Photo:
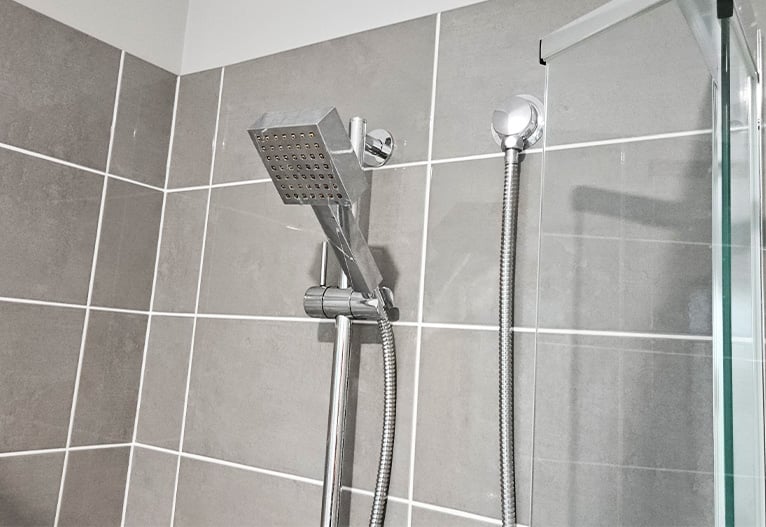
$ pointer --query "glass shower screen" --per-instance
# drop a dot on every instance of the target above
(651, 207)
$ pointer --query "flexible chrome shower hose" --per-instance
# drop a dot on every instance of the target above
(378, 514)
(507, 263)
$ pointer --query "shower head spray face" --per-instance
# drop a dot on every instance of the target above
(309, 157)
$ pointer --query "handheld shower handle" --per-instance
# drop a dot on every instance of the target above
(350, 247)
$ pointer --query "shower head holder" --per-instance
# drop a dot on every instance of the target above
(518, 123)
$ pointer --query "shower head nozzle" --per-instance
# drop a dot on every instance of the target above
(309, 157)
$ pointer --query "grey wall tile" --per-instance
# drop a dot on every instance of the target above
(462, 257)
(457, 442)
(650, 190)
(211, 494)
(361, 74)
(94, 488)
(180, 251)
(397, 198)
(144, 120)
(243, 220)
(259, 394)
(252, 399)
(128, 245)
(429, 518)
(618, 401)
(620, 90)
(196, 113)
(355, 510)
(29, 489)
(364, 417)
(597, 495)
(164, 388)
(612, 284)
(40, 348)
(239, 274)
(111, 371)
(50, 216)
(487, 53)
(152, 482)
(56, 93)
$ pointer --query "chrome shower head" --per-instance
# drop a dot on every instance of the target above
(518, 123)
(309, 157)
(311, 161)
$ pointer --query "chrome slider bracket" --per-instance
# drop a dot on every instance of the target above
(329, 302)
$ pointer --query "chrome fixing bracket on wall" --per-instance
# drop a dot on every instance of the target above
(329, 302)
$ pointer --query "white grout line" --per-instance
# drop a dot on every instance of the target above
(171, 314)
(119, 310)
(169, 160)
(52, 159)
(408, 164)
(628, 334)
(196, 302)
(615, 465)
(425, 325)
(315, 482)
(492, 155)
(232, 464)
(116, 108)
(91, 281)
(622, 140)
(62, 162)
(13, 300)
(98, 447)
(133, 182)
(576, 236)
(266, 318)
(421, 284)
(457, 513)
(187, 189)
(431, 325)
(151, 308)
(477, 157)
(61, 450)
(470, 327)
(240, 183)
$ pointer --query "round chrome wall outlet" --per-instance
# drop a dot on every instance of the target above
(378, 147)
(521, 116)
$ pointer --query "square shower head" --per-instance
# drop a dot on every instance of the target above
(309, 157)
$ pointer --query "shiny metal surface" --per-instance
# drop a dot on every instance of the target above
(378, 147)
(331, 158)
(333, 464)
(520, 120)
(309, 157)
(329, 302)
(515, 126)
(330, 178)
(350, 246)
(380, 496)
(331, 489)
(323, 264)
(505, 344)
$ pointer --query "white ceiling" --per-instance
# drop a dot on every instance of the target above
(185, 36)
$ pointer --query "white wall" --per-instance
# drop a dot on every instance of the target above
(185, 36)
(245, 29)
(150, 29)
